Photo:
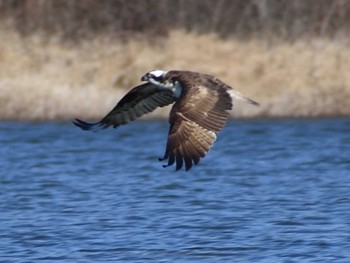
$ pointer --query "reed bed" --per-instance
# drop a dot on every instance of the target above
(45, 78)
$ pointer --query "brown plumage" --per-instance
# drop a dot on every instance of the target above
(201, 109)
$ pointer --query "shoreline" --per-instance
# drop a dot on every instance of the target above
(46, 79)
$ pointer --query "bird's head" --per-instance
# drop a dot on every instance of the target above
(155, 77)
(163, 80)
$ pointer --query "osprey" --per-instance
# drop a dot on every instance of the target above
(201, 109)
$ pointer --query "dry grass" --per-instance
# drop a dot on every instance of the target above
(44, 79)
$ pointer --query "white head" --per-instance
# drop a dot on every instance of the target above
(155, 75)
(160, 79)
(158, 73)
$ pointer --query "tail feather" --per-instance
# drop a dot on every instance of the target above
(251, 101)
(237, 95)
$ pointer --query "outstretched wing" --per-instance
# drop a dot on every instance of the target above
(195, 121)
(137, 102)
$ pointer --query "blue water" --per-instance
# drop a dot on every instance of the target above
(269, 191)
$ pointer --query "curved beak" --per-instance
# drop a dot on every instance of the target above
(144, 78)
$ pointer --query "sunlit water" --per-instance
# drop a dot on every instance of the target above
(269, 191)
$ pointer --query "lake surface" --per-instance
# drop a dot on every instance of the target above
(268, 191)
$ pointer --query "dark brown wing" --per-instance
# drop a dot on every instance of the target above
(195, 120)
(137, 102)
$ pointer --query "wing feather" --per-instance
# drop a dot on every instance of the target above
(179, 158)
(195, 121)
(140, 100)
(187, 144)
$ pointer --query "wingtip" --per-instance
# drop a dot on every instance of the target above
(167, 165)
(76, 122)
(85, 125)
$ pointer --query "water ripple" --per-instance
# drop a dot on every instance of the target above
(269, 191)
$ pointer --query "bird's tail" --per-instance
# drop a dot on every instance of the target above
(237, 95)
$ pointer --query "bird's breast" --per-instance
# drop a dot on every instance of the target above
(177, 89)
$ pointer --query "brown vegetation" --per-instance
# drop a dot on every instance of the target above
(243, 19)
(52, 70)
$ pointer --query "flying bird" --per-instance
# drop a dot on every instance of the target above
(201, 109)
